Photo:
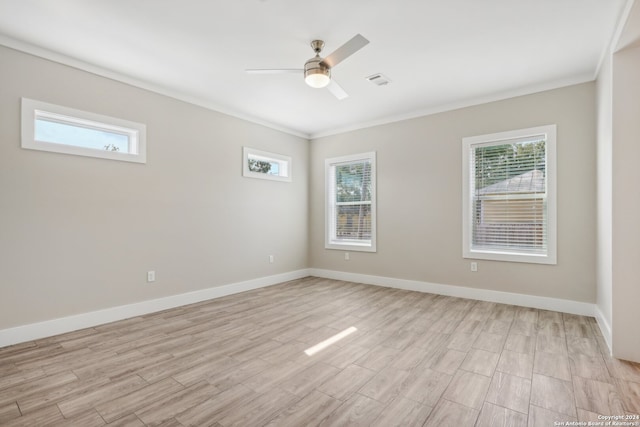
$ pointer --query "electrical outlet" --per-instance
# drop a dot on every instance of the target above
(151, 276)
(346, 256)
(271, 259)
(474, 266)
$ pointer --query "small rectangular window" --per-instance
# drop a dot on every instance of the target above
(50, 127)
(509, 196)
(265, 165)
(351, 202)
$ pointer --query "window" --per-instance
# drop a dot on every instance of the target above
(509, 196)
(351, 202)
(50, 127)
(264, 165)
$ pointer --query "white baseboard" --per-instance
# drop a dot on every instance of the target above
(605, 328)
(545, 303)
(62, 325)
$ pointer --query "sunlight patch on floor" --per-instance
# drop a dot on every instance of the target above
(326, 343)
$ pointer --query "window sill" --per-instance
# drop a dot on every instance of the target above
(351, 246)
(549, 259)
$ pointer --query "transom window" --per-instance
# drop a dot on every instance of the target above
(509, 196)
(265, 165)
(351, 202)
(50, 127)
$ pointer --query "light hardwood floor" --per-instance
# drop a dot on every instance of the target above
(415, 359)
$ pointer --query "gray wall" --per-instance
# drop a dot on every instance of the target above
(419, 196)
(78, 234)
(618, 91)
(604, 272)
(626, 204)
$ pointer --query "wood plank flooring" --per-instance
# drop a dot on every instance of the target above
(415, 359)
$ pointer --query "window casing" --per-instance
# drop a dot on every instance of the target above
(509, 196)
(351, 202)
(50, 127)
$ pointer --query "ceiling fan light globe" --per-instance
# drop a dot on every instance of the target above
(317, 79)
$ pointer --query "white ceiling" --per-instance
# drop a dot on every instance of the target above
(439, 54)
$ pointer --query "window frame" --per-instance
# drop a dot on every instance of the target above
(331, 242)
(32, 110)
(247, 152)
(551, 206)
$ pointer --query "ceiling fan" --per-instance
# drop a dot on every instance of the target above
(317, 70)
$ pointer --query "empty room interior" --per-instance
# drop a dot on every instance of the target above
(294, 213)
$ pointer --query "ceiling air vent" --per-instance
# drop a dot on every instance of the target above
(379, 79)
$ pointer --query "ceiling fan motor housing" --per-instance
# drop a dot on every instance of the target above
(316, 73)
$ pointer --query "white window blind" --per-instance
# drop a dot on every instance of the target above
(509, 196)
(508, 209)
(351, 202)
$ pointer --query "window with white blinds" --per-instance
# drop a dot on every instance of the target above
(509, 196)
(351, 202)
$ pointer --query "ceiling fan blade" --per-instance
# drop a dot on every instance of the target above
(274, 70)
(337, 90)
(346, 50)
